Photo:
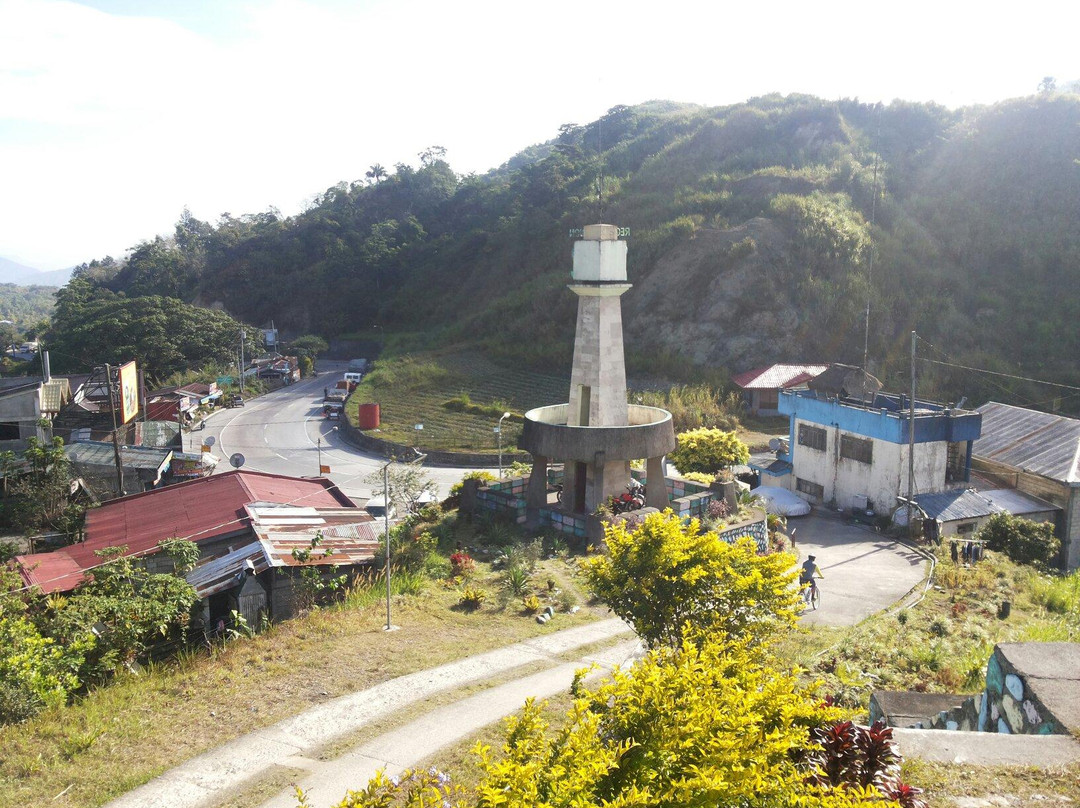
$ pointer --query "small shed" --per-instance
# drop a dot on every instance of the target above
(962, 511)
(762, 386)
(260, 574)
(144, 468)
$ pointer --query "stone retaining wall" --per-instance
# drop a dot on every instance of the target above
(1032, 688)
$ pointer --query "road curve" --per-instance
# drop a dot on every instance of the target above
(281, 432)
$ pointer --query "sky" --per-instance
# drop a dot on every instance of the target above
(115, 115)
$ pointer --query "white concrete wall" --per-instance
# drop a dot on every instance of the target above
(880, 481)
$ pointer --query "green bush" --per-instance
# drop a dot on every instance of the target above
(483, 476)
(708, 450)
(667, 580)
(1022, 540)
(35, 670)
(408, 551)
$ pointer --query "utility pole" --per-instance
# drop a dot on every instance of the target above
(386, 527)
(241, 361)
(911, 439)
(115, 436)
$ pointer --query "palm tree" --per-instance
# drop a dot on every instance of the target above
(376, 173)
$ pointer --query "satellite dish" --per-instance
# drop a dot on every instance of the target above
(236, 461)
(210, 440)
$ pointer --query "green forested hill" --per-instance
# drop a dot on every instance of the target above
(26, 306)
(751, 241)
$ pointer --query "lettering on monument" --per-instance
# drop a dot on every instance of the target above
(579, 232)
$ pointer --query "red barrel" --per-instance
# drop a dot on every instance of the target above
(367, 416)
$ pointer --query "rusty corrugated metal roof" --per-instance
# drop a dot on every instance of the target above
(198, 510)
(1038, 442)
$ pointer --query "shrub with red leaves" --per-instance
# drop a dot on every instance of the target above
(846, 754)
(461, 563)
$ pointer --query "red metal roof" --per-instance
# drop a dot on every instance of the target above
(198, 510)
(53, 572)
(777, 376)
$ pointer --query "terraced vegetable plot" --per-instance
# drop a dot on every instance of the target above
(412, 390)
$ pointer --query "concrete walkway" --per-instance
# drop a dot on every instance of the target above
(864, 571)
(211, 777)
(326, 782)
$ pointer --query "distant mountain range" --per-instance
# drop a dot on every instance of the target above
(13, 272)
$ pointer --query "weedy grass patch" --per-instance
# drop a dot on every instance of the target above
(944, 642)
(945, 783)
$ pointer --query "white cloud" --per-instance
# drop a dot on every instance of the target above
(111, 124)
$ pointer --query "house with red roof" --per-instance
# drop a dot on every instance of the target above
(246, 517)
(762, 386)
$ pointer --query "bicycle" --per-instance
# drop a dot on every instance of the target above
(811, 594)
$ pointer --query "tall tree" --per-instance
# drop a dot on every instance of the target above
(376, 173)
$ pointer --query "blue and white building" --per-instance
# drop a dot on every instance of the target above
(852, 451)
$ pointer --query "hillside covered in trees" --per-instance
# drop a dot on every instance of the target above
(758, 232)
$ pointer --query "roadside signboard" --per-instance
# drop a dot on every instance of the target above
(324, 469)
(224, 379)
(206, 447)
(129, 392)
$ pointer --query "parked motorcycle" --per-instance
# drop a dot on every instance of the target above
(632, 500)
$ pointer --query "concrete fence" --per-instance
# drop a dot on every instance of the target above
(687, 499)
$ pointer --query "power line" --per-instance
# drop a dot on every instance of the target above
(997, 373)
(1002, 388)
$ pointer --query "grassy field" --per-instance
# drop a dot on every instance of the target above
(459, 395)
(119, 736)
(413, 390)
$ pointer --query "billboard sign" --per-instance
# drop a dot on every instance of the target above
(129, 392)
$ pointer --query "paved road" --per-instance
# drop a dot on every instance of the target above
(864, 570)
(280, 433)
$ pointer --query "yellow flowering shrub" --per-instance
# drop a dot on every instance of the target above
(705, 724)
(707, 450)
(663, 576)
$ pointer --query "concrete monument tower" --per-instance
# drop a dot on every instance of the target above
(597, 433)
(598, 378)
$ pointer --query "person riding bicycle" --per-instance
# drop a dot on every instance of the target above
(807, 572)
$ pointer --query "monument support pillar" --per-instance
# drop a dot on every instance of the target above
(656, 495)
(536, 493)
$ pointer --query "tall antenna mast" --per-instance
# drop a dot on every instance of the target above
(870, 271)
(600, 164)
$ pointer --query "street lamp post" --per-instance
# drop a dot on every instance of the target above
(386, 526)
(498, 431)
(318, 443)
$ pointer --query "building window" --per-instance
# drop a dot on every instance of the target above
(812, 437)
(9, 431)
(859, 449)
(810, 488)
(768, 399)
(968, 528)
